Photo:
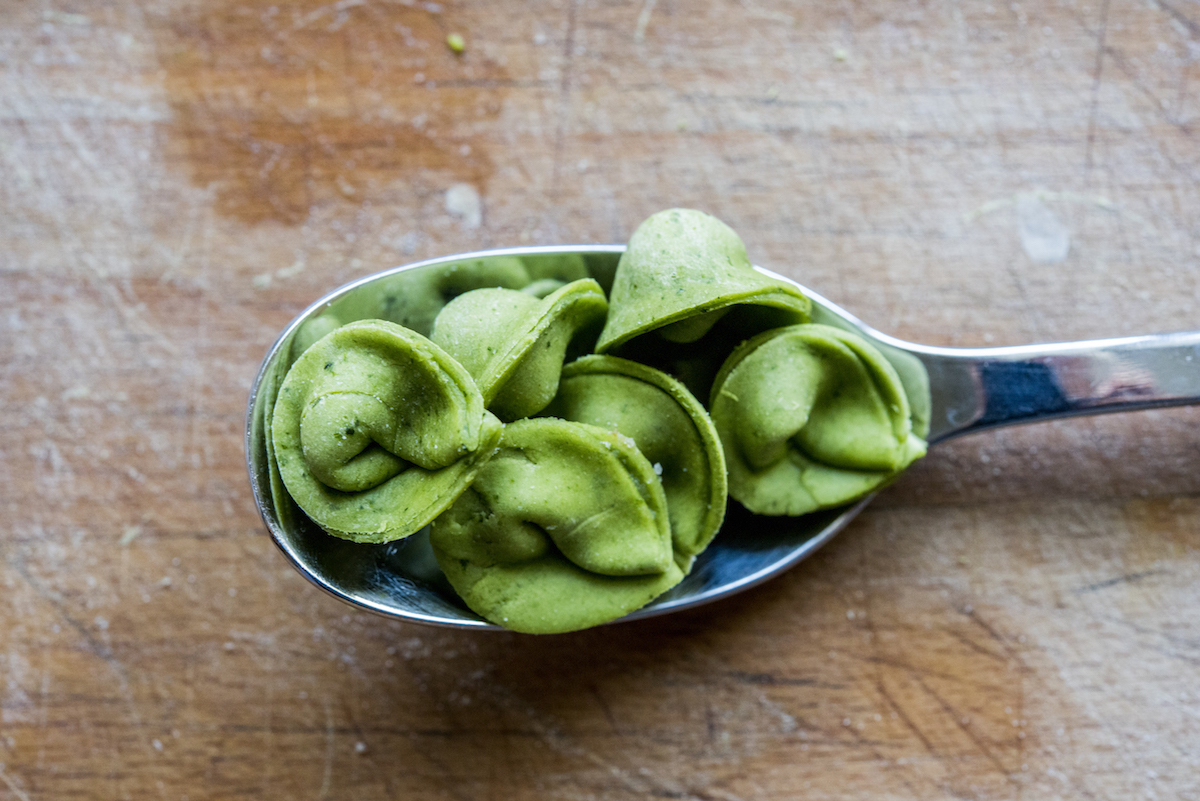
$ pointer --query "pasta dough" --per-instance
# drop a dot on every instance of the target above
(564, 528)
(811, 417)
(376, 431)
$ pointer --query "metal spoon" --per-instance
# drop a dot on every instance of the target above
(955, 391)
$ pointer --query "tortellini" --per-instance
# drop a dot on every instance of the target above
(811, 417)
(565, 488)
(413, 298)
(376, 430)
(668, 425)
(566, 527)
(684, 271)
(514, 344)
(685, 294)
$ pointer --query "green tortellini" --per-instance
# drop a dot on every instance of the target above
(376, 430)
(685, 294)
(811, 417)
(564, 528)
(684, 271)
(670, 428)
(413, 298)
(607, 477)
(514, 344)
(551, 271)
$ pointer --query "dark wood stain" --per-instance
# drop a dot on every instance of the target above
(353, 103)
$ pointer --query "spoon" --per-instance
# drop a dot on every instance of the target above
(953, 391)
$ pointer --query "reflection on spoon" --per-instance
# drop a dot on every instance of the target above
(953, 391)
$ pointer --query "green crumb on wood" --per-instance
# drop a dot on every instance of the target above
(456, 43)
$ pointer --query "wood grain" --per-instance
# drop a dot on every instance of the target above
(1015, 618)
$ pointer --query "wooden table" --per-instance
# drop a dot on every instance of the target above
(1015, 618)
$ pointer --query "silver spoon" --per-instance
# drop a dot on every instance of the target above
(955, 391)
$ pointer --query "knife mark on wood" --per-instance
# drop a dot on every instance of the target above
(957, 719)
(1097, 80)
(564, 100)
(1128, 578)
(16, 788)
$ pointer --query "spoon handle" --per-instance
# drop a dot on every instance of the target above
(976, 389)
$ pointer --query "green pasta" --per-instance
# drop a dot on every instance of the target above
(514, 344)
(566, 527)
(684, 271)
(668, 425)
(376, 431)
(811, 417)
(607, 477)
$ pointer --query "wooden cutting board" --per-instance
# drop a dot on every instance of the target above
(1015, 618)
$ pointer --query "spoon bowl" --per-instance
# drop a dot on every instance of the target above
(952, 391)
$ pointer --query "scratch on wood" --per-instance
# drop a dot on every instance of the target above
(16, 789)
(787, 722)
(322, 11)
(957, 719)
(604, 707)
(1179, 17)
(874, 749)
(57, 602)
(643, 20)
(771, 680)
(564, 98)
(1097, 78)
(644, 782)
(176, 256)
(911, 668)
(904, 718)
(995, 635)
(1128, 578)
(974, 646)
(1156, 103)
(1172, 640)
(710, 724)
(330, 732)
(91, 644)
